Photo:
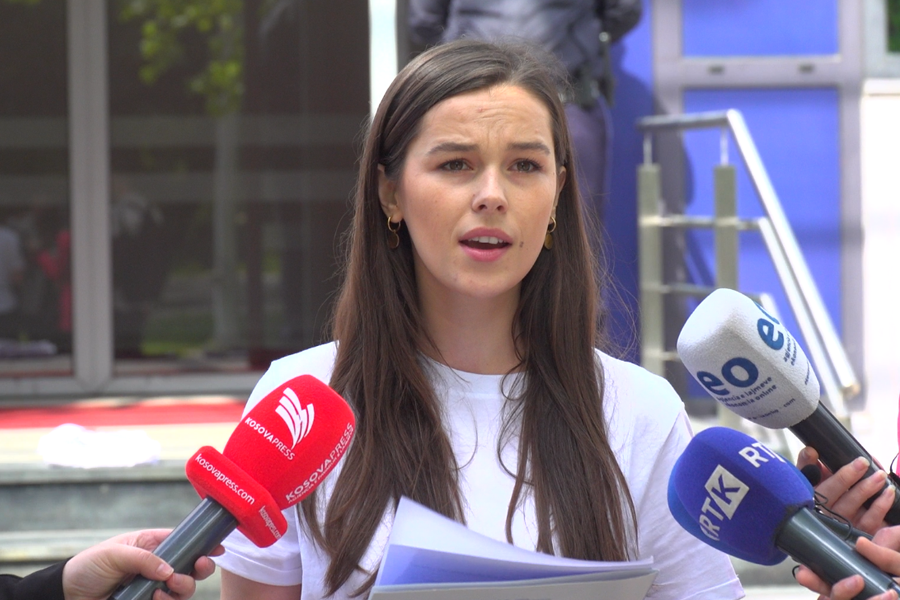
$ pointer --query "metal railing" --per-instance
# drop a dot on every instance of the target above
(839, 382)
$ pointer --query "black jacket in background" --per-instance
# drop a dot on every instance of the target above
(570, 29)
(45, 584)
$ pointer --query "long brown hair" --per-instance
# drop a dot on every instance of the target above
(401, 447)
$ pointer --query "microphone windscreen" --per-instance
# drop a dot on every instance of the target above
(747, 360)
(692, 526)
(737, 492)
(292, 438)
(813, 474)
(258, 515)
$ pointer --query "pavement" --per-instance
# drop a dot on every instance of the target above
(178, 441)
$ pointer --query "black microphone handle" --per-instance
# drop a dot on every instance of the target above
(812, 543)
(837, 447)
(197, 535)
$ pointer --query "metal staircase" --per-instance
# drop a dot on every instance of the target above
(822, 344)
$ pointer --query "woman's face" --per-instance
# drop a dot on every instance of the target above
(477, 189)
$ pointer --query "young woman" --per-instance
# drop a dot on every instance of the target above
(466, 341)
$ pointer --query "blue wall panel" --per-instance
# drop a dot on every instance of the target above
(759, 27)
(633, 66)
(797, 134)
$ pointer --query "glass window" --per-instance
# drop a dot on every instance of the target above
(233, 129)
(35, 282)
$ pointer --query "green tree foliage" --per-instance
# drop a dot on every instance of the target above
(165, 22)
(893, 23)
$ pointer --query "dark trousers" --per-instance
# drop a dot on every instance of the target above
(10, 325)
(591, 132)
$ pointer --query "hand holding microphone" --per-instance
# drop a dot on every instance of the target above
(277, 455)
(748, 362)
(95, 572)
(881, 551)
(848, 491)
(736, 495)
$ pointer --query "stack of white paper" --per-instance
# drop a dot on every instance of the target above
(435, 558)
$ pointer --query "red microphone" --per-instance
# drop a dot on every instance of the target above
(276, 456)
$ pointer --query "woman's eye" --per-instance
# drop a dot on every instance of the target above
(526, 166)
(454, 165)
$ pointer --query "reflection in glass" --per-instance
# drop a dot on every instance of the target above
(35, 271)
(232, 158)
(893, 25)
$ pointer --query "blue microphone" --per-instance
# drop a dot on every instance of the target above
(735, 494)
(692, 525)
(841, 528)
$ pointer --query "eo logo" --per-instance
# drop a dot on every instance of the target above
(768, 332)
(299, 420)
(725, 493)
(741, 372)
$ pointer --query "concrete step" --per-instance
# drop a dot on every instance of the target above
(49, 546)
(40, 498)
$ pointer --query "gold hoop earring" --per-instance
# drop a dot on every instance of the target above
(548, 238)
(393, 238)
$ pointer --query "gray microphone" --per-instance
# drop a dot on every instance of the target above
(748, 362)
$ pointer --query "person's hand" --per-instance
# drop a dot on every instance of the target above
(845, 493)
(881, 551)
(97, 572)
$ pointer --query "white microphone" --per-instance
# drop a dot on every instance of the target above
(748, 362)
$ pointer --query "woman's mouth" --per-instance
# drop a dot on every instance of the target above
(485, 242)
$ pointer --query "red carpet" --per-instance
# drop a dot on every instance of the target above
(111, 413)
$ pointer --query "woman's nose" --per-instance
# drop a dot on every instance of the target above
(490, 195)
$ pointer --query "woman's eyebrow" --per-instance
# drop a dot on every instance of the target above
(459, 147)
(452, 147)
(539, 146)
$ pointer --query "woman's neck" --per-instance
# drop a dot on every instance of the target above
(473, 336)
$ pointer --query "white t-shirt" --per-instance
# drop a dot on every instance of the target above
(648, 430)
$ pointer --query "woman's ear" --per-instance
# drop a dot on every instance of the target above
(560, 182)
(387, 196)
